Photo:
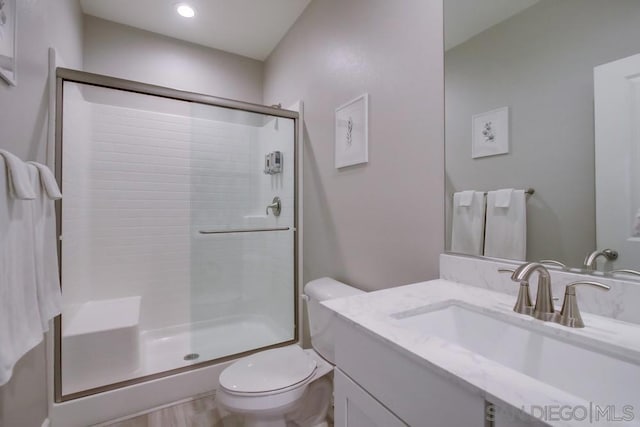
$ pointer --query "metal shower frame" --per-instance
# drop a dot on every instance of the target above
(74, 76)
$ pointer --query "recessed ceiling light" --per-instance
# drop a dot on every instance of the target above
(185, 10)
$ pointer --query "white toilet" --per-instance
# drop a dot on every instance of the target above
(288, 386)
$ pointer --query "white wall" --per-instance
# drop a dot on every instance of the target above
(125, 52)
(42, 24)
(380, 224)
(540, 64)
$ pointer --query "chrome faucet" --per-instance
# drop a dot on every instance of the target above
(590, 260)
(543, 308)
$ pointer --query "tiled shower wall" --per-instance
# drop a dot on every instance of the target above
(76, 220)
(241, 274)
(273, 136)
(140, 185)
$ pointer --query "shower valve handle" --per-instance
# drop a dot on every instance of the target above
(275, 206)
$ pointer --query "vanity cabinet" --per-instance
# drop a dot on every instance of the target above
(503, 418)
(378, 385)
(354, 407)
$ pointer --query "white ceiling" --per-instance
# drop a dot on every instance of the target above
(465, 19)
(250, 28)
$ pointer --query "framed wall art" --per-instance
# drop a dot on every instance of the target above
(352, 132)
(8, 42)
(490, 133)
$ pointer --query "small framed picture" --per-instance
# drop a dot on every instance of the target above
(490, 133)
(8, 34)
(352, 132)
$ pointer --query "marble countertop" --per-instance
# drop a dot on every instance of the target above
(374, 311)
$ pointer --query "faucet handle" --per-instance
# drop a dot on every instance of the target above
(571, 287)
(554, 262)
(523, 303)
(570, 313)
(625, 271)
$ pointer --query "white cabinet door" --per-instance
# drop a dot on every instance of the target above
(617, 132)
(354, 407)
(419, 395)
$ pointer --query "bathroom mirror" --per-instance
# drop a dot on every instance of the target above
(543, 95)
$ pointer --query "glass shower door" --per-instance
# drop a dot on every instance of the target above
(177, 233)
(242, 217)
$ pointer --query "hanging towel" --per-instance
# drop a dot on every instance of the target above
(48, 181)
(44, 244)
(466, 198)
(506, 234)
(503, 198)
(467, 227)
(20, 323)
(17, 176)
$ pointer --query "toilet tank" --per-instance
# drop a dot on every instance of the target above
(320, 324)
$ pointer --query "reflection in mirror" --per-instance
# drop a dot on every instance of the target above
(542, 94)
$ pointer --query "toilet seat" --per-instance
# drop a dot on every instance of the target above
(269, 372)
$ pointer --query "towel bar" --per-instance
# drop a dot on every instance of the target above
(249, 230)
(528, 192)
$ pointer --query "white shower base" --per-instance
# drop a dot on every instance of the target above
(165, 349)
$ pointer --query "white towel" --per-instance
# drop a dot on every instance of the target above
(503, 198)
(506, 234)
(47, 181)
(44, 243)
(20, 323)
(18, 177)
(466, 197)
(467, 227)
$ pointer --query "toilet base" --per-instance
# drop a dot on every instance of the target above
(306, 405)
(309, 411)
(277, 423)
(252, 422)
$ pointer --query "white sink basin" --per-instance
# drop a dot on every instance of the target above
(587, 373)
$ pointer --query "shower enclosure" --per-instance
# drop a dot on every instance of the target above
(177, 231)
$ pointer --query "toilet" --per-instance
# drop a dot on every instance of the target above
(288, 386)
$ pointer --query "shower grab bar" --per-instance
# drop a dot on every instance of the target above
(245, 230)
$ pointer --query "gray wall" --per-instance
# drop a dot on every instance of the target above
(380, 224)
(42, 24)
(540, 64)
(129, 53)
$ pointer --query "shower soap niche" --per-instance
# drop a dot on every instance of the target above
(100, 343)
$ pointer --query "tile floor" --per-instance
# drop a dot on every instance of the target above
(200, 412)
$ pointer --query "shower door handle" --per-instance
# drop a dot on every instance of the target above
(275, 206)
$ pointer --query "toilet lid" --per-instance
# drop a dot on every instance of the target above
(268, 370)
